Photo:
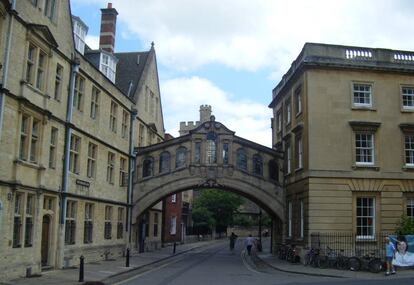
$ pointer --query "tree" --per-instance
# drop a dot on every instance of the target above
(222, 205)
(203, 219)
(405, 226)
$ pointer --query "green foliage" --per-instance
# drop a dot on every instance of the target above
(202, 217)
(222, 205)
(405, 226)
(242, 220)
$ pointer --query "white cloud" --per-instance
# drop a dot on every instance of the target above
(249, 35)
(182, 98)
(92, 41)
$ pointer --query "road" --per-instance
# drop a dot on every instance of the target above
(217, 265)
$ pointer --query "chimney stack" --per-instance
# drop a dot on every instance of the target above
(108, 29)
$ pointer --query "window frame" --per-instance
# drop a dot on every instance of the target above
(110, 167)
(124, 124)
(365, 150)
(362, 94)
(123, 172)
(181, 157)
(54, 137)
(372, 226)
(120, 224)
(88, 223)
(108, 222)
(409, 152)
(299, 152)
(113, 116)
(74, 154)
(30, 138)
(70, 222)
(95, 96)
(79, 93)
(57, 95)
(92, 160)
(410, 98)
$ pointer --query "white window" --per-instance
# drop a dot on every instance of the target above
(108, 222)
(36, 64)
(79, 93)
(288, 113)
(174, 198)
(123, 172)
(362, 95)
(365, 216)
(80, 31)
(113, 117)
(88, 224)
(410, 208)
(409, 150)
(52, 147)
(290, 219)
(299, 153)
(408, 98)
(70, 222)
(364, 148)
(279, 121)
(58, 82)
(173, 226)
(302, 220)
(288, 160)
(124, 127)
(74, 154)
(108, 66)
(95, 102)
(29, 138)
(92, 156)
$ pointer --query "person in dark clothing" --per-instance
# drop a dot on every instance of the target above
(232, 238)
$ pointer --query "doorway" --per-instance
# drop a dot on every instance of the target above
(45, 240)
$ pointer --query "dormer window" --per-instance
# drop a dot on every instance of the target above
(108, 66)
(79, 33)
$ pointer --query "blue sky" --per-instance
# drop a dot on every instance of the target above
(231, 53)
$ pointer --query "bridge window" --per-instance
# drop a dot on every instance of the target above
(148, 167)
(257, 164)
(241, 159)
(211, 150)
(273, 170)
(197, 153)
(165, 162)
(180, 157)
(225, 153)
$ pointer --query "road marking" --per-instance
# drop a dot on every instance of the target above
(242, 254)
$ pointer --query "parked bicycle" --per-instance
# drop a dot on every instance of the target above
(367, 262)
(312, 257)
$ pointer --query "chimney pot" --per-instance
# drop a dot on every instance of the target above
(109, 5)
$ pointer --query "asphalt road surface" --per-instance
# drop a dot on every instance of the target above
(216, 264)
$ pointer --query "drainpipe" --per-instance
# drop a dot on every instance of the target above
(3, 84)
(65, 174)
(131, 171)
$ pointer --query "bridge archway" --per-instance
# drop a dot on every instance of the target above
(210, 156)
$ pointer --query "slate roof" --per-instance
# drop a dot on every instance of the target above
(129, 69)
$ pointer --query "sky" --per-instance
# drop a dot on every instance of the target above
(230, 54)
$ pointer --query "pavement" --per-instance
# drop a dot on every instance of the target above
(109, 272)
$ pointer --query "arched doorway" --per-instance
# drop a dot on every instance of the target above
(45, 240)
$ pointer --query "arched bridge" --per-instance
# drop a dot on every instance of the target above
(210, 156)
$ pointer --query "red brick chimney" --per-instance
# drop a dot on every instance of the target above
(108, 28)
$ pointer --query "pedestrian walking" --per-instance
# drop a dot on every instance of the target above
(389, 255)
(249, 244)
(233, 238)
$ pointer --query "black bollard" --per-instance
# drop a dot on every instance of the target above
(81, 268)
(127, 258)
(175, 245)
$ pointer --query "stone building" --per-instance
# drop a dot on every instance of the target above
(344, 117)
(68, 128)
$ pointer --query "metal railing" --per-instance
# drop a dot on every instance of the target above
(349, 244)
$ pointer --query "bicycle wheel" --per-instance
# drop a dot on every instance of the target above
(375, 265)
(322, 262)
(343, 263)
(354, 264)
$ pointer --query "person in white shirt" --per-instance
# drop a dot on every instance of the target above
(249, 244)
(403, 257)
